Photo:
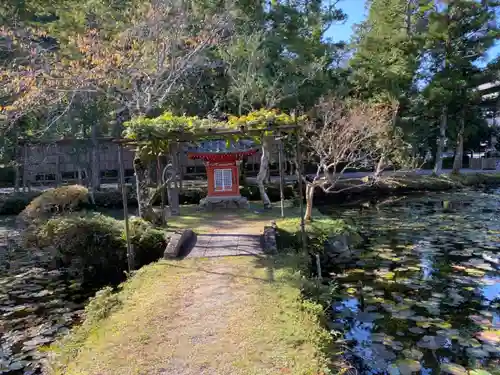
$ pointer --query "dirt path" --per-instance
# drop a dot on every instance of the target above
(204, 317)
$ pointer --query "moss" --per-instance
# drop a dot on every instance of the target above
(318, 231)
(93, 245)
(275, 329)
(55, 201)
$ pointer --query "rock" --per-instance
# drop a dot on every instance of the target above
(214, 203)
(177, 242)
(269, 239)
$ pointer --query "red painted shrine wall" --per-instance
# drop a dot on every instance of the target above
(211, 167)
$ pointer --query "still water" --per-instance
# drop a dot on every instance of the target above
(423, 295)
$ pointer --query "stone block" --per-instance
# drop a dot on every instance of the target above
(269, 239)
(178, 241)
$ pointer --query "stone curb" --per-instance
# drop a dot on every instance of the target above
(269, 238)
(177, 242)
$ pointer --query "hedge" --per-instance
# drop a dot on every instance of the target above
(93, 247)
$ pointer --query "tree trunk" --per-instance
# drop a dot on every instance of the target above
(459, 153)
(309, 201)
(380, 167)
(141, 178)
(263, 171)
(438, 166)
(25, 167)
(17, 165)
(58, 167)
(96, 180)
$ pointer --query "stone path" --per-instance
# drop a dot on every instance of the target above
(218, 245)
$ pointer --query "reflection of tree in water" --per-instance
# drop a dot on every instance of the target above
(424, 275)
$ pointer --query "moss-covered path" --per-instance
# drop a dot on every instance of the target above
(232, 315)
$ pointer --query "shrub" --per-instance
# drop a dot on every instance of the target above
(13, 204)
(91, 246)
(59, 200)
(113, 198)
(149, 243)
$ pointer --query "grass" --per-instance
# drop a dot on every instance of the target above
(249, 221)
(239, 315)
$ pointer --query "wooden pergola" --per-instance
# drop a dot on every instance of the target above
(183, 137)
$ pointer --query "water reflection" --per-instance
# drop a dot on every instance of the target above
(424, 294)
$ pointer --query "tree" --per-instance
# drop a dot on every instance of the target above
(460, 32)
(342, 135)
(281, 61)
(388, 47)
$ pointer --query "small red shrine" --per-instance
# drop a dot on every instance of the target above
(222, 162)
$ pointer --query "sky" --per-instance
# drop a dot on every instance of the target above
(356, 13)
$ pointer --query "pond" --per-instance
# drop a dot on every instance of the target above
(423, 294)
(36, 305)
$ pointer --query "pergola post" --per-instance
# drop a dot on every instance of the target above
(58, 167)
(299, 176)
(25, 166)
(282, 179)
(130, 250)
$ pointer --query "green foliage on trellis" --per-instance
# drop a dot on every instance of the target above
(154, 134)
(263, 119)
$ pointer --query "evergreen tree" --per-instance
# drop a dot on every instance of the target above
(387, 49)
(459, 35)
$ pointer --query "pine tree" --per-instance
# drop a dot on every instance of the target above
(387, 49)
(460, 32)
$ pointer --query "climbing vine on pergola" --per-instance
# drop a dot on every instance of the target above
(153, 135)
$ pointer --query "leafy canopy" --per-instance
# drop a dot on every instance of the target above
(154, 135)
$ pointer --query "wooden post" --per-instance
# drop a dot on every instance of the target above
(17, 167)
(25, 168)
(58, 167)
(282, 179)
(130, 250)
(299, 176)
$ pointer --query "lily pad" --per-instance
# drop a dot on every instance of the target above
(489, 337)
(493, 349)
(450, 333)
(477, 353)
(382, 352)
(479, 372)
(432, 342)
(408, 366)
(469, 342)
(367, 317)
(453, 369)
(416, 330)
(475, 272)
(413, 354)
(403, 314)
